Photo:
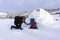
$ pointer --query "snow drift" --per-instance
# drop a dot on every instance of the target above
(3, 15)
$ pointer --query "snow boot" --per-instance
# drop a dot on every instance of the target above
(21, 28)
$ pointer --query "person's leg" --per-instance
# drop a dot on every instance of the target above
(33, 27)
(13, 27)
(16, 26)
(20, 26)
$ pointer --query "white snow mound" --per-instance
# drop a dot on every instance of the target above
(41, 16)
(3, 14)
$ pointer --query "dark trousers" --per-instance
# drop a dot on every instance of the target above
(18, 26)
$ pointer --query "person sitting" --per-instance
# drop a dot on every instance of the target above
(33, 24)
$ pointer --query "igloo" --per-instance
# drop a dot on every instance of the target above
(41, 16)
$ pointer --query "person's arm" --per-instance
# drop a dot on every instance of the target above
(26, 23)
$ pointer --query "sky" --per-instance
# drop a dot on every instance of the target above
(27, 5)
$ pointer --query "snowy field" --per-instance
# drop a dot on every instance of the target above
(43, 33)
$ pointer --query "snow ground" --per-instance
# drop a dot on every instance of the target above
(43, 33)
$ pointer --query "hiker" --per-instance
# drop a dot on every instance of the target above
(32, 24)
(18, 20)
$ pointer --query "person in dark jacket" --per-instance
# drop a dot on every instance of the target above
(18, 20)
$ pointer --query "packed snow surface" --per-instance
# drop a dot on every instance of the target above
(42, 33)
